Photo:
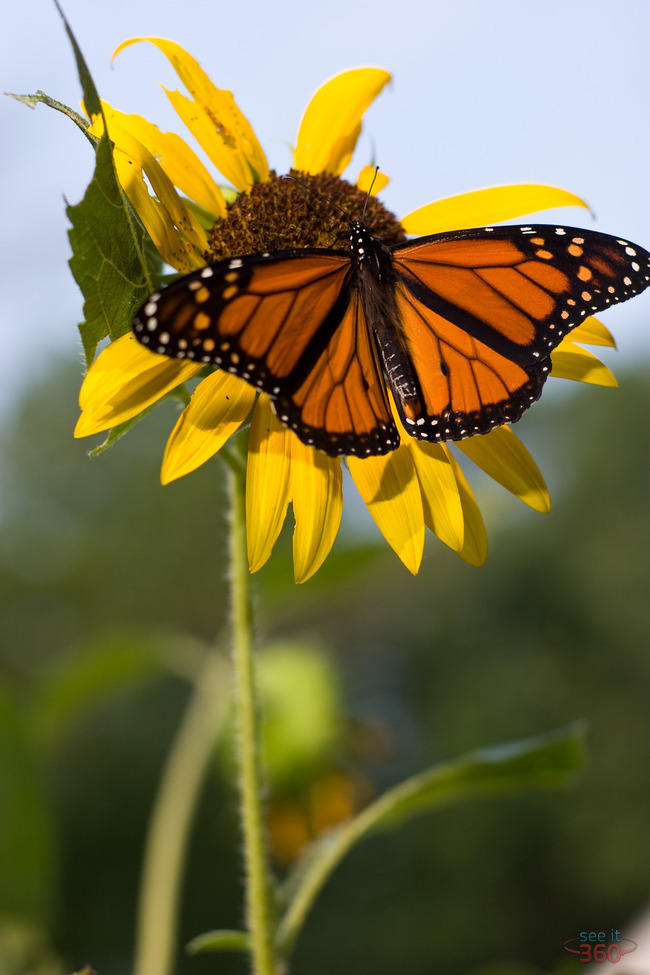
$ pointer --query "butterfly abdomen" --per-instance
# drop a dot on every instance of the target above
(376, 283)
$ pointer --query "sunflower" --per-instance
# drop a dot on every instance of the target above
(192, 220)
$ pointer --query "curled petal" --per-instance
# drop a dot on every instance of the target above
(213, 118)
(503, 457)
(317, 504)
(331, 124)
(484, 207)
(173, 228)
(569, 361)
(181, 164)
(218, 407)
(390, 489)
(372, 177)
(593, 332)
(474, 550)
(268, 482)
(123, 381)
(121, 130)
(443, 511)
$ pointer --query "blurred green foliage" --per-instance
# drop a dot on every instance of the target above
(111, 589)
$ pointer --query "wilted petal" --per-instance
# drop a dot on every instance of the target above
(474, 550)
(504, 458)
(443, 511)
(268, 481)
(317, 504)
(370, 176)
(390, 489)
(123, 381)
(213, 118)
(218, 407)
(331, 124)
(593, 332)
(167, 219)
(481, 208)
(569, 361)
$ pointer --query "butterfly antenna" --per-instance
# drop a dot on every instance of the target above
(363, 212)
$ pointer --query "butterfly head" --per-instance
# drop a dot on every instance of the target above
(361, 241)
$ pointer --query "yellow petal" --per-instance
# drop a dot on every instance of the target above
(268, 476)
(503, 457)
(367, 178)
(474, 550)
(390, 489)
(121, 130)
(593, 332)
(569, 361)
(222, 130)
(331, 124)
(218, 407)
(482, 208)
(182, 165)
(443, 511)
(317, 504)
(167, 219)
(123, 381)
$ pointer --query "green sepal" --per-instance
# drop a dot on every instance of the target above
(229, 193)
(205, 218)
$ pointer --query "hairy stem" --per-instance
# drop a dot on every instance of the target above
(258, 885)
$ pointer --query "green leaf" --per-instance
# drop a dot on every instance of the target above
(91, 97)
(219, 941)
(541, 762)
(41, 98)
(113, 260)
(110, 261)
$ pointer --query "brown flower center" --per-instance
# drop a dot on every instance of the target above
(282, 214)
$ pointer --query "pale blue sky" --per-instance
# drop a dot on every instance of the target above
(483, 93)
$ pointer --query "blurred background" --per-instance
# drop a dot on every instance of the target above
(113, 588)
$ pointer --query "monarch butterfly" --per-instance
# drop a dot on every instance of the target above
(459, 326)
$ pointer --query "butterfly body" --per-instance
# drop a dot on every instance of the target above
(459, 327)
(372, 264)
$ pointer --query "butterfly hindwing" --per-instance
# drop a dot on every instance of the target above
(462, 386)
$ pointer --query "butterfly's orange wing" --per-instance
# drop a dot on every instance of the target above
(291, 324)
(482, 309)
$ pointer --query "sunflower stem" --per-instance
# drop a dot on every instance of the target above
(258, 879)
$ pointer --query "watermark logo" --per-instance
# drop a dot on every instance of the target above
(597, 946)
